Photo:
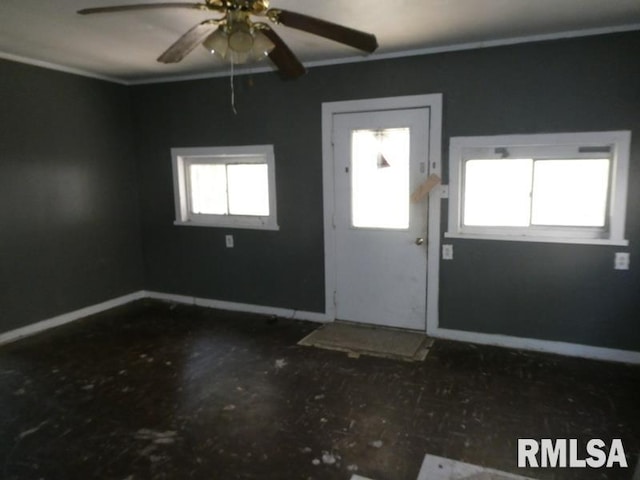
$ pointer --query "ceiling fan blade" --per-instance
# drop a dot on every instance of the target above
(187, 42)
(348, 36)
(282, 56)
(144, 6)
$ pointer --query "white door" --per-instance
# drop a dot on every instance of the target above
(380, 158)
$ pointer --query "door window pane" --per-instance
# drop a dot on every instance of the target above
(208, 186)
(380, 178)
(497, 192)
(570, 192)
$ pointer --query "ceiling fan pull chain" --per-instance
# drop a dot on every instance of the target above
(233, 93)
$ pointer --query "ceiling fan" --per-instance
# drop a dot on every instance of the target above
(237, 38)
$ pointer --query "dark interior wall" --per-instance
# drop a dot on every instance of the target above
(69, 223)
(278, 268)
(558, 292)
(547, 291)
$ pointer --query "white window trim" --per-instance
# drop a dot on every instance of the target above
(222, 155)
(619, 141)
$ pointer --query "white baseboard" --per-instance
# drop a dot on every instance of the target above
(43, 325)
(547, 346)
(242, 307)
(38, 327)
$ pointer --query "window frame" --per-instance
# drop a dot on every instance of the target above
(538, 147)
(182, 158)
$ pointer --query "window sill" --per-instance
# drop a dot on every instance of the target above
(231, 224)
(532, 239)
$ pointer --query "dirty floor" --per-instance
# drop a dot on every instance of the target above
(159, 391)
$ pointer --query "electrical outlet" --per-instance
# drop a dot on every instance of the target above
(447, 252)
(621, 261)
(229, 241)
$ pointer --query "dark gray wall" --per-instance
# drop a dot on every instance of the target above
(557, 292)
(69, 230)
(282, 268)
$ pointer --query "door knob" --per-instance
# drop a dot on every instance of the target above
(419, 241)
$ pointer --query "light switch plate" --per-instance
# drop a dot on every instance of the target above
(447, 252)
(228, 241)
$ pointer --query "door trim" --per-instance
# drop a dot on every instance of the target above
(434, 103)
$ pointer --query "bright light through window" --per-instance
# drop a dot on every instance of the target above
(497, 192)
(570, 192)
(208, 189)
(550, 187)
(225, 187)
(232, 189)
(248, 189)
(380, 178)
(524, 192)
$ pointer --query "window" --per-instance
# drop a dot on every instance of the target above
(568, 188)
(380, 178)
(225, 187)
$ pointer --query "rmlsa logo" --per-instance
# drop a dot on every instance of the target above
(563, 453)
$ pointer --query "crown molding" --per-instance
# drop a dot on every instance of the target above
(323, 63)
(405, 53)
(60, 68)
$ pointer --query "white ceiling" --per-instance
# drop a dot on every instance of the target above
(124, 46)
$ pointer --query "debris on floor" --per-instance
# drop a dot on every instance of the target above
(297, 409)
(159, 438)
(33, 430)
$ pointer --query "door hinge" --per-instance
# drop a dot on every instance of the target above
(335, 298)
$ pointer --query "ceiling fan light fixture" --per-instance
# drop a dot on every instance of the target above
(240, 38)
(238, 43)
(238, 58)
(235, 37)
(262, 45)
(217, 43)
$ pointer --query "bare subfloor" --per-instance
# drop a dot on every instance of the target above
(158, 391)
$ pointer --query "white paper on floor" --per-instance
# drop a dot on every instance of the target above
(439, 468)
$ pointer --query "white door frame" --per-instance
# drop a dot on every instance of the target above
(434, 103)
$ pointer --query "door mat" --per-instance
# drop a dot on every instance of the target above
(439, 468)
(358, 340)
